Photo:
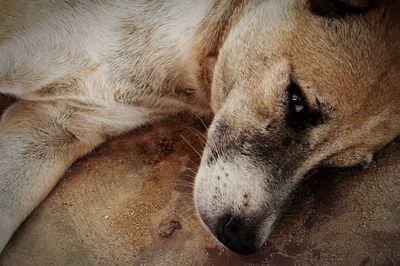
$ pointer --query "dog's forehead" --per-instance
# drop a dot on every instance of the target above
(348, 62)
(352, 64)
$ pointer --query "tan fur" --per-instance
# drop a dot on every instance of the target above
(85, 71)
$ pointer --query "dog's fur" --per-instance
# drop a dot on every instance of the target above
(85, 71)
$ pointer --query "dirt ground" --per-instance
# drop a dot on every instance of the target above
(129, 203)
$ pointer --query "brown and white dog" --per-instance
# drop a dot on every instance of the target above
(294, 85)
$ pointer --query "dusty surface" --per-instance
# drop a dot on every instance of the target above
(129, 203)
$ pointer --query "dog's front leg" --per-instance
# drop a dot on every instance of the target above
(38, 142)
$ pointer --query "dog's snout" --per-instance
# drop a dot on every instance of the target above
(235, 235)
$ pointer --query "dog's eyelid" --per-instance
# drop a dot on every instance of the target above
(320, 107)
(312, 102)
(318, 102)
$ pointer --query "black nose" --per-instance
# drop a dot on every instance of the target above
(235, 235)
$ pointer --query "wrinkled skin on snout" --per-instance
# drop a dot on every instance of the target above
(295, 88)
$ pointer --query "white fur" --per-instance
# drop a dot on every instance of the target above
(87, 70)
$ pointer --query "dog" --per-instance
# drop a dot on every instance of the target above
(292, 86)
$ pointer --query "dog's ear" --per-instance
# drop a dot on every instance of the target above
(341, 8)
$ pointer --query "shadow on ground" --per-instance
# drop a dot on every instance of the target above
(129, 203)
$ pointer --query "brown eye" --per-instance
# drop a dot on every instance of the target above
(297, 102)
(299, 114)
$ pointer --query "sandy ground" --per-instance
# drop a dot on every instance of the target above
(129, 203)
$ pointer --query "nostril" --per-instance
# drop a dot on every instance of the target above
(229, 225)
(223, 231)
(233, 233)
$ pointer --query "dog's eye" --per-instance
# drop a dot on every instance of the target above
(297, 102)
(299, 114)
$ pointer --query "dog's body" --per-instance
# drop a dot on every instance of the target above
(85, 71)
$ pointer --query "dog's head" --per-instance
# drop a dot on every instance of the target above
(297, 85)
